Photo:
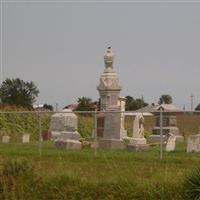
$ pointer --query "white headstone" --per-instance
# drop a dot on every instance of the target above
(171, 143)
(5, 139)
(193, 143)
(25, 138)
(138, 128)
(138, 139)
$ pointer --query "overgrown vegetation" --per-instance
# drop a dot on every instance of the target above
(192, 185)
(85, 126)
(59, 174)
(18, 180)
(19, 121)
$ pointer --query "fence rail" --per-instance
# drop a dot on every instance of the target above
(17, 124)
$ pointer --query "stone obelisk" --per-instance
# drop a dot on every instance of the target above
(109, 90)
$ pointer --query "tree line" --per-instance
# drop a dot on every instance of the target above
(132, 104)
(21, 93)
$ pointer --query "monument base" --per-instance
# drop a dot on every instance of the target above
(137, 147)
(137, 144)
(68, 144)
(156, 138)
(138, 141)
(168, 129)
(111, 144)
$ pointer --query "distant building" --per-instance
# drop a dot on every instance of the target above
(169, 119)
(146, 111)
(71, 107)
(169, 122)
(42, 107)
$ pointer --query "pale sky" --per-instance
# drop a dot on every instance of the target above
(60, 47)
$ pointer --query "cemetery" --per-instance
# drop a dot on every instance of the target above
(103, 154)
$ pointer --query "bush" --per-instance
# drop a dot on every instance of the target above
(16, 124)
(85, 126)
(18, 180)
(192, 185)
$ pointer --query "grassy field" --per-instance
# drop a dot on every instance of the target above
(81, 175)
(59, 174)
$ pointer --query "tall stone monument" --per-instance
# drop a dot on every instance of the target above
(109, 90)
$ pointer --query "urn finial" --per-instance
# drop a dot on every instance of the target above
(109, 58)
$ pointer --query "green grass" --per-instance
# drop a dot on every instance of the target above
(108, 175)
(60, 174)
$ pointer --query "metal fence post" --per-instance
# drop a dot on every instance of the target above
(40, 135)
(95, 133)
(161, 132)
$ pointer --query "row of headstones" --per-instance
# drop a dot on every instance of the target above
(25, 138)
(193, 143)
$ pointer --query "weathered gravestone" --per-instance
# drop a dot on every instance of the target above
(65, 125)
(171, 142)
(67, 144)
(5, 139)
(25, 138)
(138, 142)
(193, 143)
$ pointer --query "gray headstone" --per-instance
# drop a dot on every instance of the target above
(64, 121)
(64, 130)
(68, 144)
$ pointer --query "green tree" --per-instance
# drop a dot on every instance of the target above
(198, 107)
(85, 104)
(17, 92)
(165, 99)
(134, 104)
(48, 107)
(129, 103)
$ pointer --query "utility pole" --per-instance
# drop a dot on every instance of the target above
(191, 102)
(56, 107)
(161, 109)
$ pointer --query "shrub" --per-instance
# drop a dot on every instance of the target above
(192, 185)
(18, 180)
(85, 126)
(16, 124)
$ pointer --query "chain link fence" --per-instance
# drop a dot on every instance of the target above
(34, 129)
